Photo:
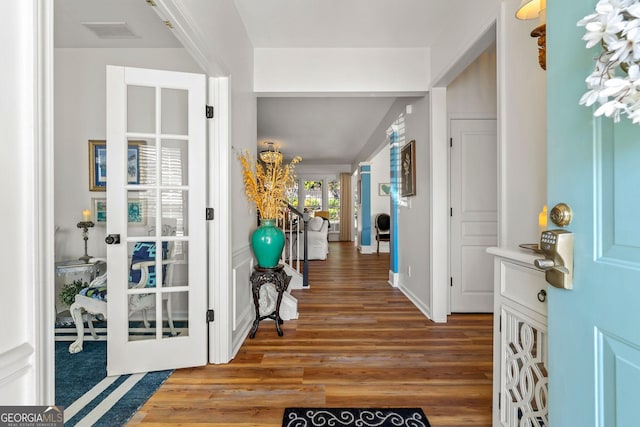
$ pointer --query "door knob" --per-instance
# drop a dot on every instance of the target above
(112, 239)
(561, 215)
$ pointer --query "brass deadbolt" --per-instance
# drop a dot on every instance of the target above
(561, 215)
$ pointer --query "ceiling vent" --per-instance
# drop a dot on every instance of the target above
(111, 30)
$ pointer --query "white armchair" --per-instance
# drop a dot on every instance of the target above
(317, 243)
(317, 238)
(93, 299)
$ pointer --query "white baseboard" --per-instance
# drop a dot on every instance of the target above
(416, 301)
(394, 279)
(366, 250)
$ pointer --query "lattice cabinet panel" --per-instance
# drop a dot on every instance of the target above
(524, 378)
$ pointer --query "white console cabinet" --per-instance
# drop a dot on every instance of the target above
(520, 376)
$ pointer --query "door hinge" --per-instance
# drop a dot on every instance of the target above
(499, 400)
(451, 281)
(210, 316)
(500, 325)
(209, 111)
(450, 142)
(209, 214)
(450, 211)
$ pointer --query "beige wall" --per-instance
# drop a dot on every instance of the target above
(522, 130)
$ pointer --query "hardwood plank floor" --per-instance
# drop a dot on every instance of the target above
(358, 342)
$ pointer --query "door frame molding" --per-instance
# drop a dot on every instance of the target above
(439, 170)
(218, 230)
(439, 218)
(218, 193)
(43, 195)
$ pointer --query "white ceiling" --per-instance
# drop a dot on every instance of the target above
(346, 23)
(321, 130)
(137, 14)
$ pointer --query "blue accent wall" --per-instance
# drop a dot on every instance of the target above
(365, 206)
(394, 159)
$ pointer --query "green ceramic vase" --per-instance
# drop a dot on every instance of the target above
(267, 242)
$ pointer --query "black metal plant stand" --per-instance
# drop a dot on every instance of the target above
(280, 280)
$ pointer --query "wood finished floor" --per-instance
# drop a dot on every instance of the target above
(357, 343)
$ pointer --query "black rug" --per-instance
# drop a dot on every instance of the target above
(354, 417)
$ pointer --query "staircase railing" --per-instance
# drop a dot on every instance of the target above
(291, 227)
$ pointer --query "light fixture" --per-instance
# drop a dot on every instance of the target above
(270, 154)
(531, 9)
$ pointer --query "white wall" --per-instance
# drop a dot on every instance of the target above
(215, 35)
(80, 115)
(226, 48)
(26, 248)
(473, 94)
(413, 218)
(378, 137)
(326, 70)
(467, 27)
(522, 129)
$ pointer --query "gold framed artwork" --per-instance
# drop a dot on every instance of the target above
(98, 164)
(408, 169)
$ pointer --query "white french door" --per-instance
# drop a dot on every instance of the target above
(156, 197)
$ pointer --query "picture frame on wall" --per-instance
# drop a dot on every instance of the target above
(136, 211)
(408, 169)
(99, 210)
(98, 164)
(384, 189)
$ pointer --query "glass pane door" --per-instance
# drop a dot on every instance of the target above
(157, 275)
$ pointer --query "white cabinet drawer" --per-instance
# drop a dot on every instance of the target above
(523, 285)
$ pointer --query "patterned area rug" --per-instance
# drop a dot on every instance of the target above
(89, 397)
(354, 417)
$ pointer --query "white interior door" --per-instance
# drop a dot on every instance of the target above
(474, 214)
(156, 154)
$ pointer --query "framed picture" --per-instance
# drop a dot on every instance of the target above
(98, 164)
(408, 169)
(99, 210)
(136, 212)
(384, 189)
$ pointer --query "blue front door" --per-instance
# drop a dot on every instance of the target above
(594, 167)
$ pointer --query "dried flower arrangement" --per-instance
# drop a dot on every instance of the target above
(266, 184)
